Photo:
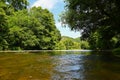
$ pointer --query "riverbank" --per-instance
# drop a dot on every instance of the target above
(21, 51)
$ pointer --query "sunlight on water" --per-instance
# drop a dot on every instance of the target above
(59, 65)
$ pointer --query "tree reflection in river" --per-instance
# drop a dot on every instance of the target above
(97, 66)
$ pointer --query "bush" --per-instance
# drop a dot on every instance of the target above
(116, 51)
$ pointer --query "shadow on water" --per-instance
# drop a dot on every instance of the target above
(59, 65)
(87, 66)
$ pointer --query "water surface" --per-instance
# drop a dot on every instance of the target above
(59, 65)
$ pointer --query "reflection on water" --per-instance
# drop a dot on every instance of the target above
(70, 65)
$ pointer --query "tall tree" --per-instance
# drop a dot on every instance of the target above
(92, 15)
(32, 30)
(17, 4)
(46, 30)
(23, 29)
(3, 26)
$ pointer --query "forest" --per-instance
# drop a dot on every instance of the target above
(99, 21)
(23, 28)
(68, 43)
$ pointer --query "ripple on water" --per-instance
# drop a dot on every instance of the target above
(68, 67)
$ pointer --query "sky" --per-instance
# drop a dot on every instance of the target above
(56, 7)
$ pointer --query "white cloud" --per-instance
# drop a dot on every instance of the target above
(58, 24)
(65, 31)
(48, 4)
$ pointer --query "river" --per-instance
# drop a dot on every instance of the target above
(59, 65)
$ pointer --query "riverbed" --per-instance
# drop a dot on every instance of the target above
(59, 65)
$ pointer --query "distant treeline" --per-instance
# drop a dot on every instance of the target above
(67, 43)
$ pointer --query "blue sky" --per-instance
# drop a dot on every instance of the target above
(56, 7)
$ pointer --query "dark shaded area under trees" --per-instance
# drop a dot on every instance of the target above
(99, 21)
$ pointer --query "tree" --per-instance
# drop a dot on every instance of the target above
(60, 46)
(32, 30)
(26, 29)
(67, 43)
(46, 30)
(7, 8)
(3, 17)
(3, 26)
(92, 15)
(21, 38)
(17, 4)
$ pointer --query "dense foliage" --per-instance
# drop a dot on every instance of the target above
(99, 21)
(21, 28)
(67, 43)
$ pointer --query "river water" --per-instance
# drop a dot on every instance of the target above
(59, 65)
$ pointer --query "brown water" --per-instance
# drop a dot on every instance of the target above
(59, 65)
